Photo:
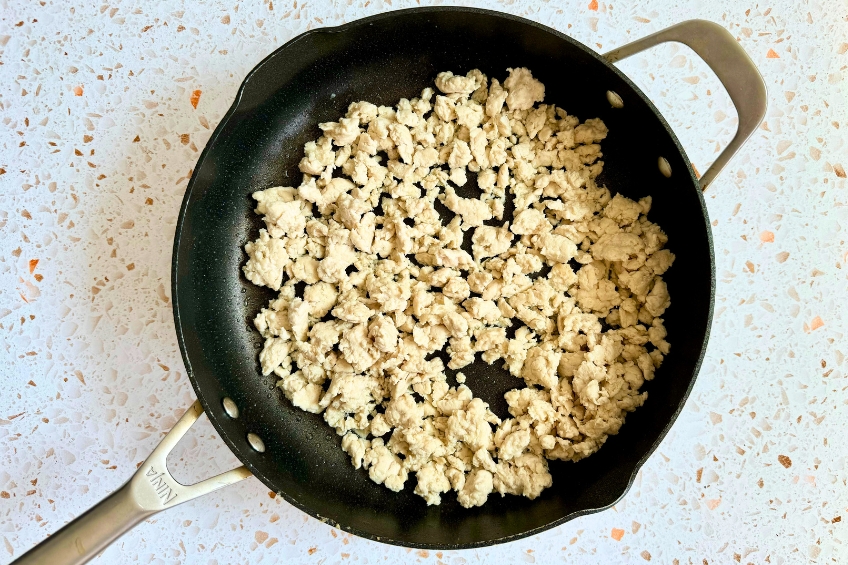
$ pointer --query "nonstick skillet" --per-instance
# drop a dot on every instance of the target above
(313, 78)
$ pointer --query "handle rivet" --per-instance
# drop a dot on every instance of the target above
(665, 168)
(614, 99)
(230, 407)
(256, 442)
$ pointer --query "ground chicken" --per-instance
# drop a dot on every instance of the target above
(373, 283)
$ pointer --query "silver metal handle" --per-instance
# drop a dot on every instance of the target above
(151, 490)
(734, 68)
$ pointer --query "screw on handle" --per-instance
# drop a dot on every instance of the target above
(734, 68)
(150, 490)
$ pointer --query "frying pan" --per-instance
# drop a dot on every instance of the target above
(313, 78)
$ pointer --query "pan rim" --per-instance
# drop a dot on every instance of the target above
(245, 456)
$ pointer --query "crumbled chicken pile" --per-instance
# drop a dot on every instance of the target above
(387, 284)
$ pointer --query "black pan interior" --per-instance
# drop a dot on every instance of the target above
(258, 145)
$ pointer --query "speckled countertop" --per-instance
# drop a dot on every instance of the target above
(103, 112)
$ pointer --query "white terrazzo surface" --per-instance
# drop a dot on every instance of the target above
(98, 135)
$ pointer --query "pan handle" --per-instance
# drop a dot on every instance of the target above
(150, 490)
(734, 68)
